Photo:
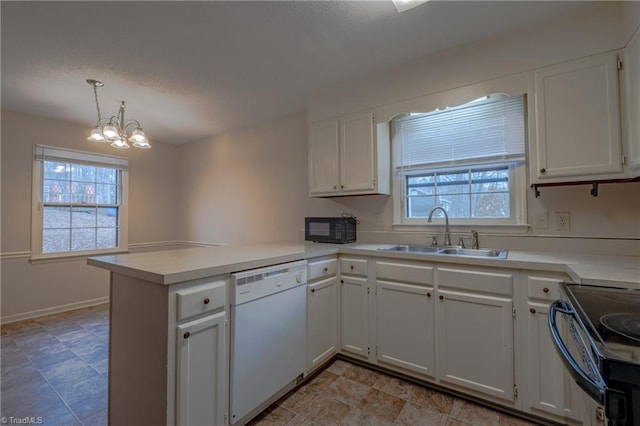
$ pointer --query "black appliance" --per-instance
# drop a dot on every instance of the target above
(602, 349)
(339, 230)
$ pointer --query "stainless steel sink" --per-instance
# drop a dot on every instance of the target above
(450, 251)
(457, 251)
(412, 249)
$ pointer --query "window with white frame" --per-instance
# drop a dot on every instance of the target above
(468, 159)
(78, 203)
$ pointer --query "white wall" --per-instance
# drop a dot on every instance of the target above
(34, 289)
(249, 185)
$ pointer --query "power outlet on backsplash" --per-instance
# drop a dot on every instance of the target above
(563, 221)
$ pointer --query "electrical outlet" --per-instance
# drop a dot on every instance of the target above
(563, 221)
(542, 220)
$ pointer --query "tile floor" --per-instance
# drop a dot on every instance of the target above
(54, 369)
(348, 394)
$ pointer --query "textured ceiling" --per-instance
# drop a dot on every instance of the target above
(188, 70)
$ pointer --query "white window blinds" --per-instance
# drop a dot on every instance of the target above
(484, 130)
(62, 155)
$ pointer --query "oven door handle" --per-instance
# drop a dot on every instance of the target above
(594, 387)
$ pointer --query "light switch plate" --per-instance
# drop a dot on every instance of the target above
(542, 220)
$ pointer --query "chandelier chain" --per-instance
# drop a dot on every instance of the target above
(95, 92)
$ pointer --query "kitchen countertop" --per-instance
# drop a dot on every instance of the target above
(173, 266)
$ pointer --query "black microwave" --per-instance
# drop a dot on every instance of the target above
(339, 230)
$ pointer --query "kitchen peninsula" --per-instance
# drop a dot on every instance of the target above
(179, 300)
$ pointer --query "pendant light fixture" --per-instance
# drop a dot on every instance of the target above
(114, 129)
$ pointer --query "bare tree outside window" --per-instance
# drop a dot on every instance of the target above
(80, 207)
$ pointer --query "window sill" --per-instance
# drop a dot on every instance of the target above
(72, 257)
(464, 228)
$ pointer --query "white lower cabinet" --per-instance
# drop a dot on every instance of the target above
(354, 307)
(168, 352)
(548, 389)
(201, 371)
(322, 321)
(475, 332)
(322, 311)
(354, 315)
(405, 333)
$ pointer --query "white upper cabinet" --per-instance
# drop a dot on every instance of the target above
(631, 102)
(574, 127)
(348, 156)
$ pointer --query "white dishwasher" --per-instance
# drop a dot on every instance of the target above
(268, 334)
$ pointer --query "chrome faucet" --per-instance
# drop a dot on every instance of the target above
(475, 244)
(447, 231)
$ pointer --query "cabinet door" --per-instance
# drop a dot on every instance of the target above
(548, 387)
(475, 338)
(405, 327)
(322, 321)
(201, 372)
(324, 151)
(354, 315)
(631, 96)
(358, 154)
(551, 389)
(576, 121)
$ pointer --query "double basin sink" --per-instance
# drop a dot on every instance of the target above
(450, 251)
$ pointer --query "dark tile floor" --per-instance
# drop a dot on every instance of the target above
(54, 369)
(54, 372)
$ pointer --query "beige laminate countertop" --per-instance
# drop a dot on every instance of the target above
(173, 266)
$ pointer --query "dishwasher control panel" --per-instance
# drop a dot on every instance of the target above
(257, 283)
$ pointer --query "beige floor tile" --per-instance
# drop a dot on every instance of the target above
(357, 417)
(299, 421)
(274, 415)
(339, 367)
(362, 375)
(476, 415)
(321, 382)
(382, 405)
(298, 398)
(507, 420)
(394, 386)
(415, 415)
(348, 391)
(432, 400)
(325, 410)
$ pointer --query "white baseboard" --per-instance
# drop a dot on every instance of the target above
(53, 310)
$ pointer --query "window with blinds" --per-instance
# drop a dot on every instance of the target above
(463, 159)
(79, 202)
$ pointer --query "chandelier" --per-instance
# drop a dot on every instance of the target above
(114, 129)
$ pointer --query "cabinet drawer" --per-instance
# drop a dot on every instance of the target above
(200, 299)
(404, 272)
(321, 268)
(353, 266)
(543, 288)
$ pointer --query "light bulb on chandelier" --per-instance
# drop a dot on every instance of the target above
(114, 129)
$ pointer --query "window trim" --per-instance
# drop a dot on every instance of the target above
(517, 191)
(37, 207)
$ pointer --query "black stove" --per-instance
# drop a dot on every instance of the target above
(603, 351)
